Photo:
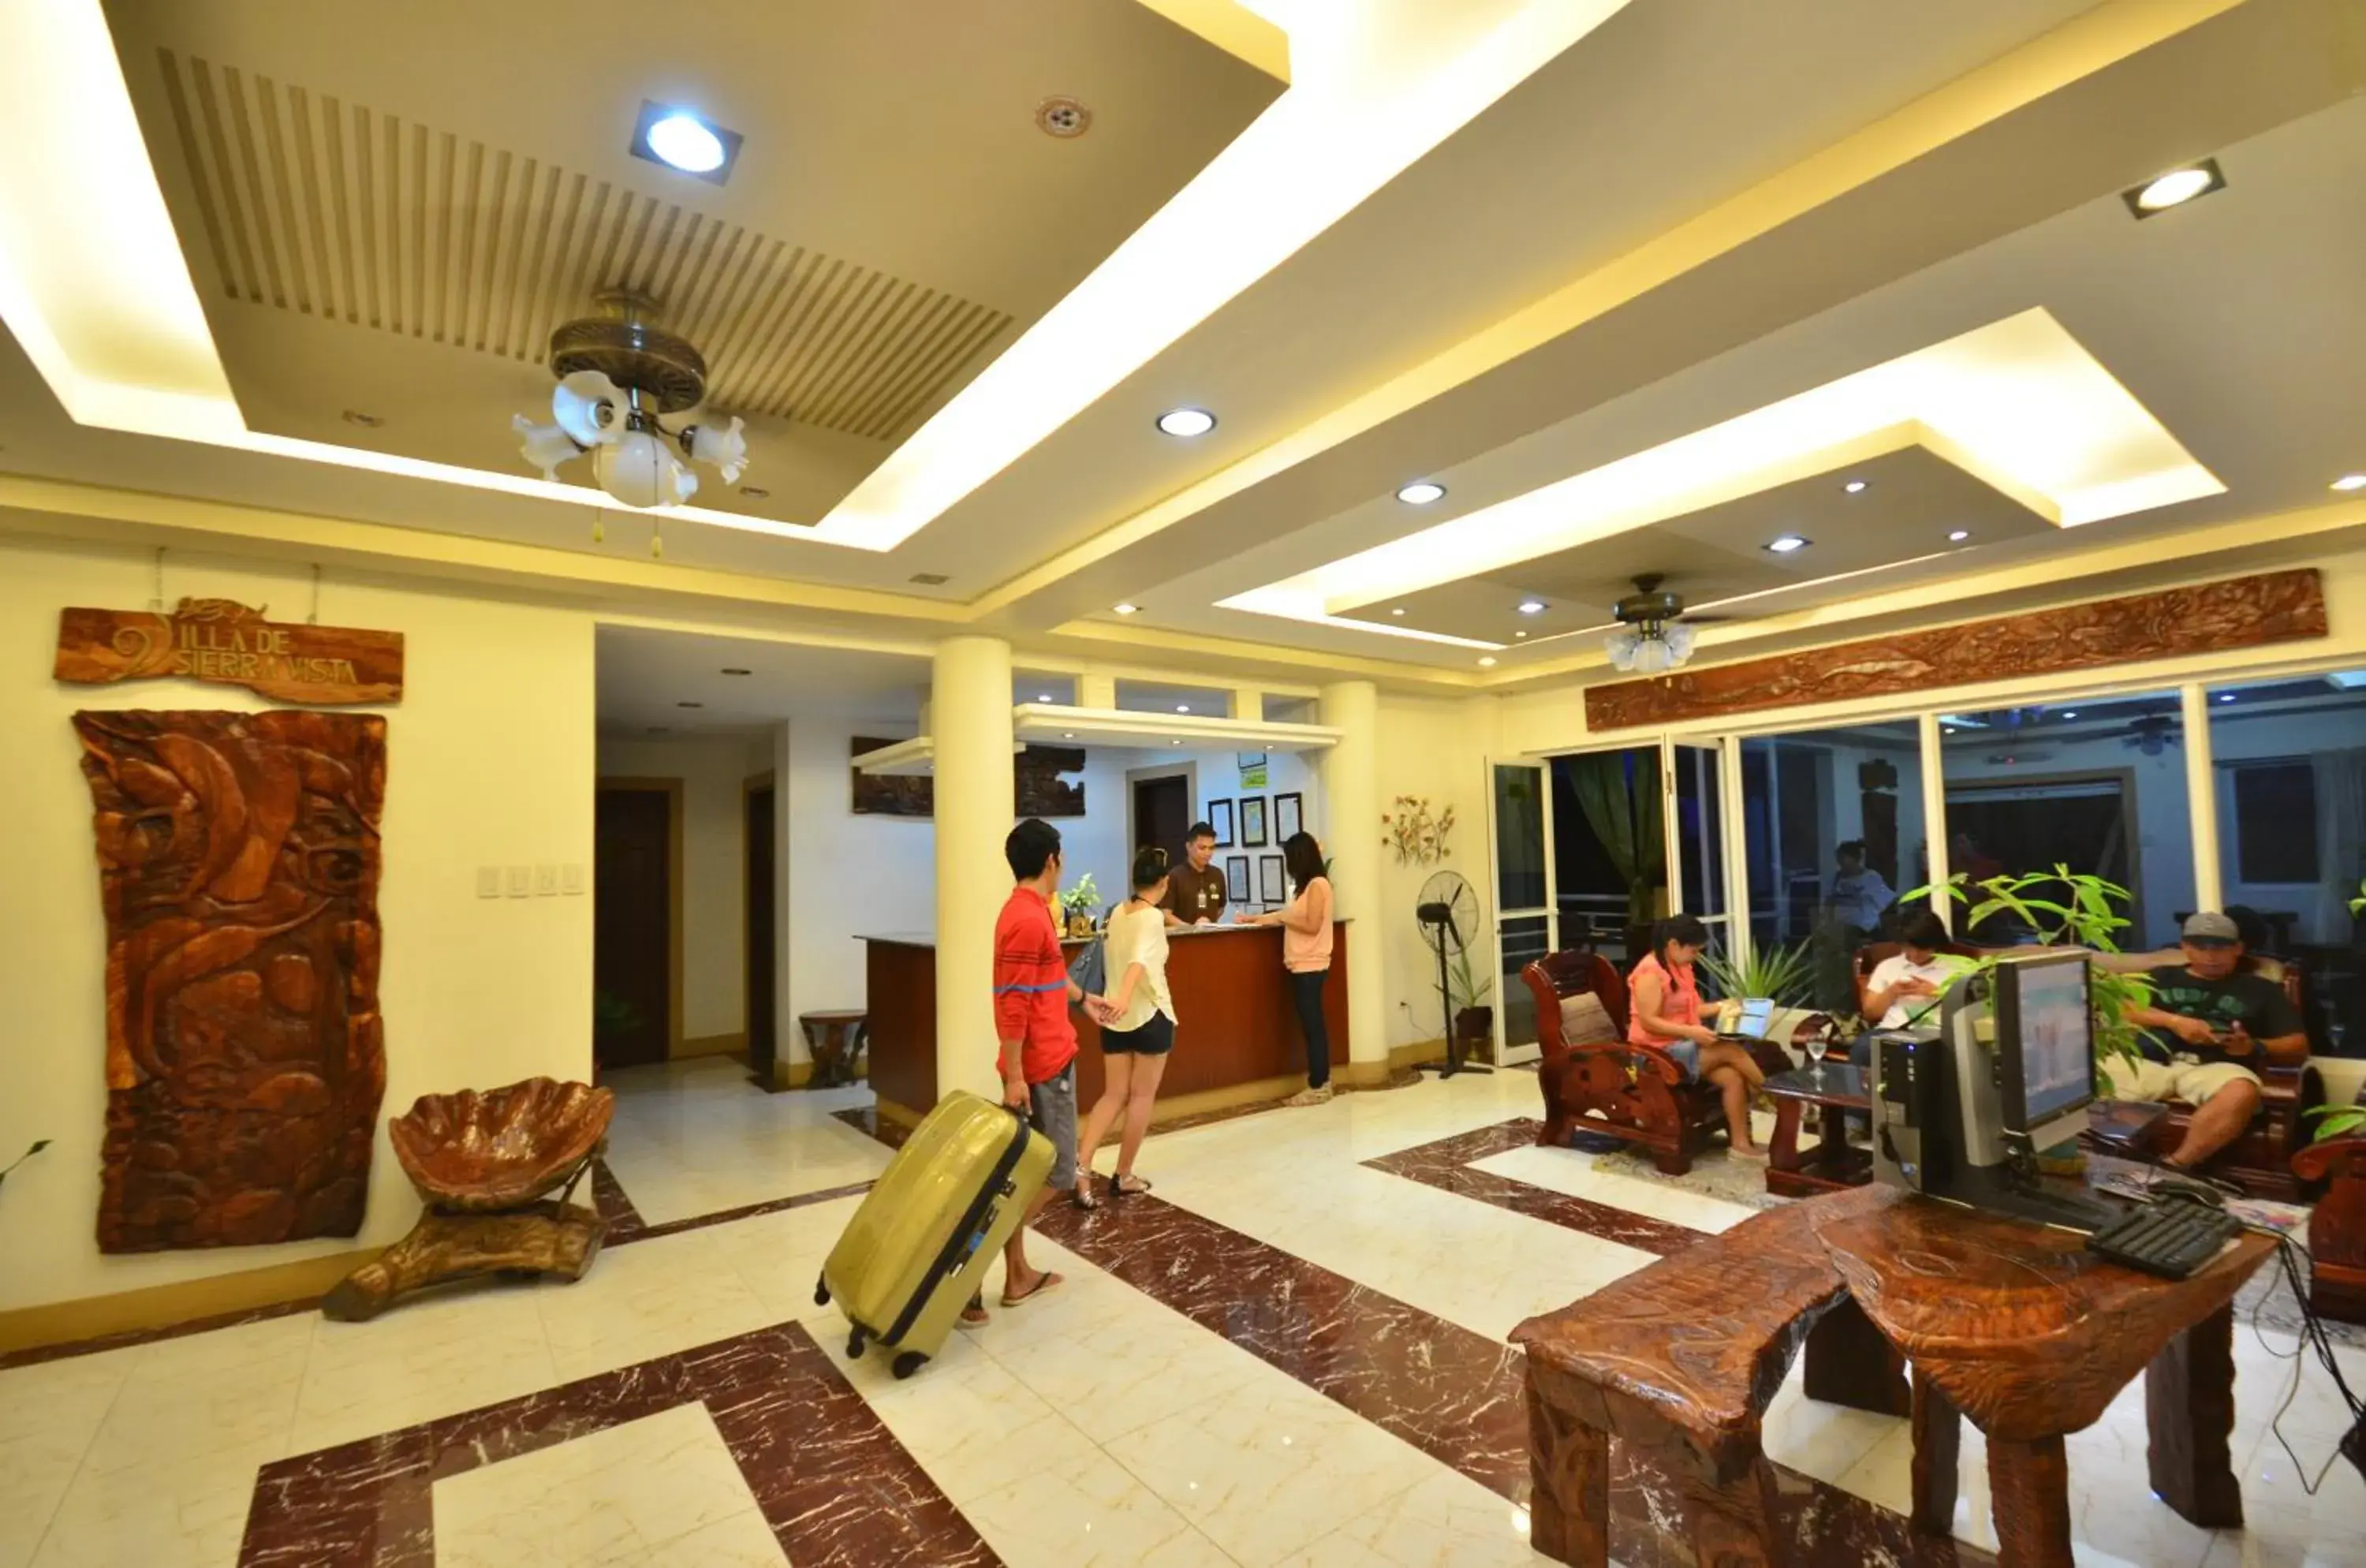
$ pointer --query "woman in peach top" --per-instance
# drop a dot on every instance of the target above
(1305, 925)
(1664, 1009)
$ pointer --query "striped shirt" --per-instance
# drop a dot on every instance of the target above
(1030, 987)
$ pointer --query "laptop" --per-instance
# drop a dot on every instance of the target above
(1757, 1018)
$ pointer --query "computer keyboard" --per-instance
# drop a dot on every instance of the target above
(2170, 1237)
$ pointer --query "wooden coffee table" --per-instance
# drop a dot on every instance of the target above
(1832, 1164)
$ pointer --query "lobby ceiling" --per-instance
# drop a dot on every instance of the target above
(1604, 230)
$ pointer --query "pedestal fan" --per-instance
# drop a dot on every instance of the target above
(1448, 914)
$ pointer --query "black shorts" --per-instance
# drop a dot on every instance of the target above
(1154, 1038)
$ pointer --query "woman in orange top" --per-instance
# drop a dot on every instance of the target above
(1664, 1009)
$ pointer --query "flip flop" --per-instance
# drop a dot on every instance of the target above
(975, 1315)
(1125, 1186)
(1047, 1281)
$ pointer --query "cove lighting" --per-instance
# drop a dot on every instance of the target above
(2347, 482)
(1187, 423)
(1421, 492)
(2174, 188)
(1784, 543)
(1957, 536)
(1855, 487)
(1129, 609)
(1532, 606)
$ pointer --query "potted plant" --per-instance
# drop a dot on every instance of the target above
(1474, 1020)
(1077, 905)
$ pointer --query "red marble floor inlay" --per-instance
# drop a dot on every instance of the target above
(1447, 1165)
(836, 1486)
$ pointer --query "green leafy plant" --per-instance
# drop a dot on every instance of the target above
(612, 1015)
(1468, 987)
(1787, 974)
(2063, 908)
(2332, 1120)
(38, 1145)
(1083, 899)
(2358, 905)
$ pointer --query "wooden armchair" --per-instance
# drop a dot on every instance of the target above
(1638, 1094)
(2336, 1230)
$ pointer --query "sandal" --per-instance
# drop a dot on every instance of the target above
(1082, 1196)
(1043, 1282)
(1119, 1186)
(975, 1315)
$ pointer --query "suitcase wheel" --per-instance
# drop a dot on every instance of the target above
(854, 1342)
(821, 1292)
(909, 1361)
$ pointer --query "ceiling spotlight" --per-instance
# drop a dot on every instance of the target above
(738, 672)
(683, 139)
(1487, 662)
(1182, 707)
(1067, 735)
(2174, 188)
(1532, 606)
(1855, 487)
(755, 492)
(2347, 482)
(1042, 696)
(1398, 611)
(1175, 743)
(1187, 422)
(1519, 633)
(1421, 492)
(1957, 536)
(2225, 696)
(690, 705)
(1129, 609)
(2069, 713)
(366, 420)
(1784, 543)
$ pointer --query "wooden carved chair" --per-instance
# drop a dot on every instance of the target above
(2337, 1229)
(1600, 1083)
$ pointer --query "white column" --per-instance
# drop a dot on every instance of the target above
(1934, 824)
(1351, 818)
(2200, 798)
(970, 718)
(788, 1041)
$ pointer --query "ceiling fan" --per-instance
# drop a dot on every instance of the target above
(2152, 733)
(1653, 636)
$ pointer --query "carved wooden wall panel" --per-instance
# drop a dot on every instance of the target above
(238, 865)
(1038, 789)
(2247, 612)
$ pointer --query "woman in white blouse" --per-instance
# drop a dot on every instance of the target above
(1137, 1023)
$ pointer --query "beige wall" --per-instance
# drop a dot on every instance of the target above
(1437, 749)
(489, 758)
(714, 775)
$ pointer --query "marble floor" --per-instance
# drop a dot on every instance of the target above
(1290, 1353)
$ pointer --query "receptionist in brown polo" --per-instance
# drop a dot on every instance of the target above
(1195, 890)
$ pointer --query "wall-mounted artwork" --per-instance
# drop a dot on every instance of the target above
(1289, 816)
(1253, 822)
(1273, 887)
(238, 868)
(1220, 817)
(1040, 789)
(1236, 880)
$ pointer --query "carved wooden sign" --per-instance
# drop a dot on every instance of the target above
(224, 641)
(238, 866)
(2245, 612)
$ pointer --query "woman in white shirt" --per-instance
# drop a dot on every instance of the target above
(1137, 1023)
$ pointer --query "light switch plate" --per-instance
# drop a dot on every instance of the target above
(489, 881)
(545, 881)
(521, 881)
(571, 878)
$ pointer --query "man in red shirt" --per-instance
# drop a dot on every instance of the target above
(1038, 1059)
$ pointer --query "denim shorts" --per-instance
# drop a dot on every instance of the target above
(1155, 1036)
(1054, 1114)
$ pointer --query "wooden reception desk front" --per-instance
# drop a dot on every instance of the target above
(1237, 1039)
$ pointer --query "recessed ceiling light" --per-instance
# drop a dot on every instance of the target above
(2351, 482)
(1957, 536)
(1489, 660)
(2174, 188)
(366, 420)
(1175, 743)
(690, 705)
(1182, 707)
(684, 139)
(1784, 543)
(931, 578)
(738, 672)
(2069, 713)
(1398, 611)
(1421, 492)
(1129, 609)
(1042, 696)
(1519, 633)
(1855, 487)
(2225, 696)
(1532, 606)
(1067, 735)
(755, 492)
(1187, 422)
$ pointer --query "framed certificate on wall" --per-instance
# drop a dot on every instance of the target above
(1220, 817)
(1289, 816)
(1252, 822)
(1271, 886)
(1236, 880)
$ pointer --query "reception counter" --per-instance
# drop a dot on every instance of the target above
(1237, 1039)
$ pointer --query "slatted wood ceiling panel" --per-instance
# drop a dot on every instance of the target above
(338, 211)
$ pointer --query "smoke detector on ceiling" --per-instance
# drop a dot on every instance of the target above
(1062, 116)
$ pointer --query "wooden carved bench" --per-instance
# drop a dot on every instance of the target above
(1681, 1358)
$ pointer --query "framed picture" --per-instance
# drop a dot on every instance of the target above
(1252, 822)
(1289, 816)
(1271, 887)
(1220, 817)
(1236, 880)
(1252, 769)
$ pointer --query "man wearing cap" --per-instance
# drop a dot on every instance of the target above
(2208, 1027)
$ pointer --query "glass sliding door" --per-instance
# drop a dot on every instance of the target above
(1692, 819)
(1520, 869)
(1610, 851)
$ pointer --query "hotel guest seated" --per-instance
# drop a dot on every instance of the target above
(2208, 1027)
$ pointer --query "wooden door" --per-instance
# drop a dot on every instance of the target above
(762, 1044)
(1162, 815)
(632, 923)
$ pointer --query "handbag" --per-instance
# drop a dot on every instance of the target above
(1089, 968)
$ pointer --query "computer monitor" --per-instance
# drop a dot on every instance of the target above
(2044, 1037)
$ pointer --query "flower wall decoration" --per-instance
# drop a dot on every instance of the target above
(1418, 837)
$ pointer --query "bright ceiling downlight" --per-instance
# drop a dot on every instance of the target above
(2174, 188)
(685, 141)
(1185, 423)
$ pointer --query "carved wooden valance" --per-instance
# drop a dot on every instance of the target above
(2244, 611)
(224, 641)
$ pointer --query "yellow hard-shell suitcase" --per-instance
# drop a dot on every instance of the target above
(917, 1248)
